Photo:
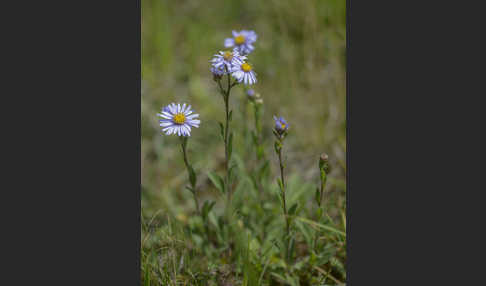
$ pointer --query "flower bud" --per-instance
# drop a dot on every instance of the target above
(250, 93)
(324, 162)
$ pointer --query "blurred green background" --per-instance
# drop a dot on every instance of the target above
(300, 64)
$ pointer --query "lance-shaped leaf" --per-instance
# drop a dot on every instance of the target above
(323, 179)
(317, 196)
(207, 207)
(217, 181)
(293, 209)
(192, 176)
(278, 146)
(280, 185)
(230, 146)
(221, 128)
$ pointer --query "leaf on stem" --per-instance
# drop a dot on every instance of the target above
(323, 178)
(278, 146)
(293, 209)
(190, 189)
(221, 127)
(230, 171)
(207, 207)
(254, 137)
(217, 181)
(192, 176)
(230, 146)
(317, 196)
(280, 185)
(263, 170)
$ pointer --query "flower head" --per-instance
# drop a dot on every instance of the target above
(242, 41)
(281, 125)
(244, 73)
(177, 119)
(224, 61)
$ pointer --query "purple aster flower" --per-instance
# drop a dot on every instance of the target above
(177, 119)
(281, 124)
(244, 73)
(242, 41)
(224, 61)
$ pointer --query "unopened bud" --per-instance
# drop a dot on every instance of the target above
(323, 161)
(250, 93)
(324, 157)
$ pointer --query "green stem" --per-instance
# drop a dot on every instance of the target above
(189, 168)
(259, 160)
(319, 205)
(284, 204)
(258, 146)
(226, 95)
(227, 184)
(283, 193)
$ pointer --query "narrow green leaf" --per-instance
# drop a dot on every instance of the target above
(278, 147)
(254, 137)
(230, 146)
(192, 176)
(315, 224)
(260, 151)
(319, 213)
(231, 171)
(208, 205)
(278, 276)
(293, 209)
(204, 209)
(291, 247)
(217, 181)
(323, 178)
(221, 128)
(264, 169)
(211, 205)
(275, 133)
(230, 115)
(280, 185)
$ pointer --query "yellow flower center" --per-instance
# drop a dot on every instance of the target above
(228, 55)
(240, 39)
(283, 125)
(246, 67)
(179, 118)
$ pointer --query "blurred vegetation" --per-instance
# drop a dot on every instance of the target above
(300, 59)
